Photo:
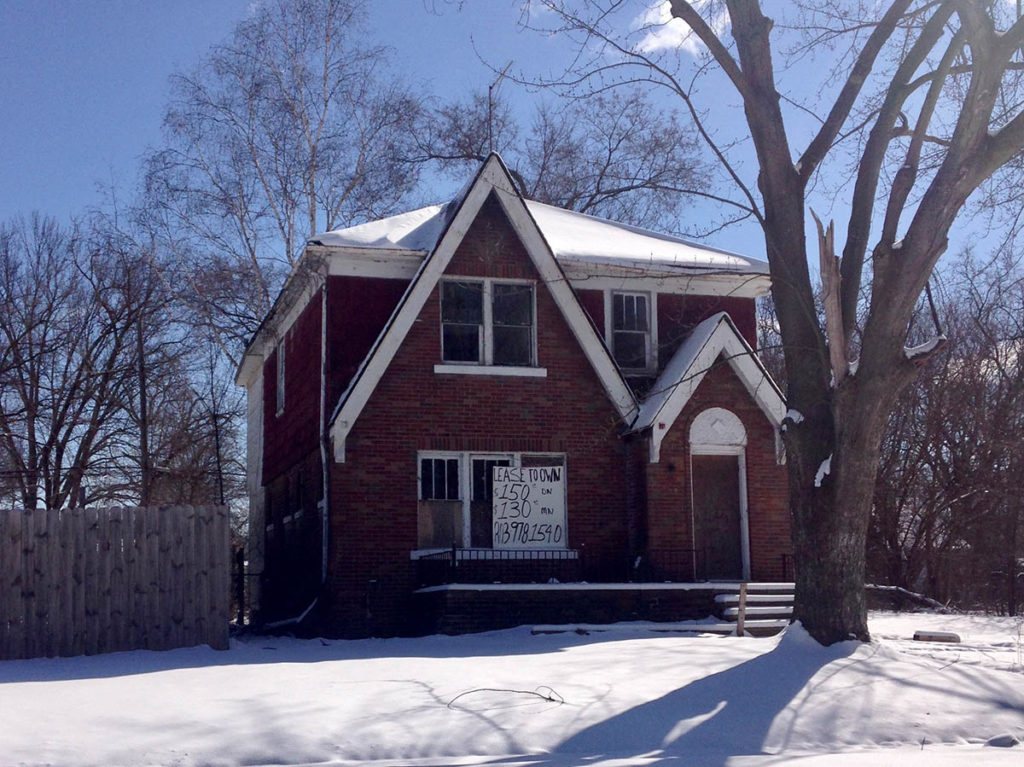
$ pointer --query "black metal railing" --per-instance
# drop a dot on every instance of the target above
(457, 565)
(668, 566)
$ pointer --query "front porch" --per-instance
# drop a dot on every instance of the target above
(537, 566)
(463, 608)
(469, 590)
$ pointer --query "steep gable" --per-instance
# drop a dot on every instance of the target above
(715, 337)
(491, 183)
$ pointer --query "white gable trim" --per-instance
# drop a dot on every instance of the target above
(492, 177)
(725, 340)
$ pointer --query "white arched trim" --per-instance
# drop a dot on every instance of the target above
(717, 431)
(715, 340)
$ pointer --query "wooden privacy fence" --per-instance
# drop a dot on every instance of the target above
(87, 581)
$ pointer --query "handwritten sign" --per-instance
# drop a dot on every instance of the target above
(528, 507)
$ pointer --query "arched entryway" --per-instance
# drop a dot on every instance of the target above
(718, 493)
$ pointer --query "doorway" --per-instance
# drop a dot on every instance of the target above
(719, 495)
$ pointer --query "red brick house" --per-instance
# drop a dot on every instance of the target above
(499, 390)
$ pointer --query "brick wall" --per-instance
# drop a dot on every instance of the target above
(295, 432)
(465, 610)
(291, 573)
(357, 309)
(678, 314)
(373, 494)
(668, 486)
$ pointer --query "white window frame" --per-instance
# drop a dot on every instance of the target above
(651, 339)
(466, 458)
(485, 365)
(280, 377)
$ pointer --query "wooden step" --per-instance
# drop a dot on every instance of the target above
(780, 611)
(757, 627)
(732, 599)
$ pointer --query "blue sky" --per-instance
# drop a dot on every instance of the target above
(83, 84)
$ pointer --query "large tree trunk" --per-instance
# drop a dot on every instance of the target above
(831, 502)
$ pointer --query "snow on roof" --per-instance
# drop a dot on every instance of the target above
(580, 237)
(676, 369)
(416, 230)
(571, 236)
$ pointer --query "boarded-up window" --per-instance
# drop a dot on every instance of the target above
(439, 512)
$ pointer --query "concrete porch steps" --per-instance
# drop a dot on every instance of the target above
(768, 607)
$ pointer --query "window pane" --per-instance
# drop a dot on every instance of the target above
(426, 479)
(460, 343)
(641, 313)
(483, 476)
(513, 345)
(462, 302)
(629, 312)
(513, 305)
(630, 349)
(439, 479)
(453, 479)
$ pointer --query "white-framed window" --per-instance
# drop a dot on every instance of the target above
(456, 493)
(280, 377)
(488, 322)
(631, 341)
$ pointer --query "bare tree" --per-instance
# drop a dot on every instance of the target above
(289, 128)
(615, 155)
(64, 329)
(921, 99)
(947, 516)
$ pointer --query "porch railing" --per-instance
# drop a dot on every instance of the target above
(499, 566)
(457, 565)
(668, 566)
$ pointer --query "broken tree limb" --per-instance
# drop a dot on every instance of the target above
(830, 289)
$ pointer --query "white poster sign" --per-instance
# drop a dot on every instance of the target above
(528, 507)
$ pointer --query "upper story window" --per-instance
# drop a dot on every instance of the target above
(631, 330)
(488, 322)
(280, 376)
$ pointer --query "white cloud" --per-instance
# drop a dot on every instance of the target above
(661, 31)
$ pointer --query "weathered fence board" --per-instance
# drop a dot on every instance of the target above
(86, 581)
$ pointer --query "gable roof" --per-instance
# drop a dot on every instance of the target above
(455, 220)
(716, 336)
(570, 236)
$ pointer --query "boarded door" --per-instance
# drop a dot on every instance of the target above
(716, 515)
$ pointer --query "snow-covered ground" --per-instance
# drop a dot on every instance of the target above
(622, 697)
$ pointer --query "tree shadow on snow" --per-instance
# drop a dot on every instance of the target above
(710, 720)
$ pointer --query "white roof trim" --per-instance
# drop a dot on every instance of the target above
(713, 337)
(492, 176)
